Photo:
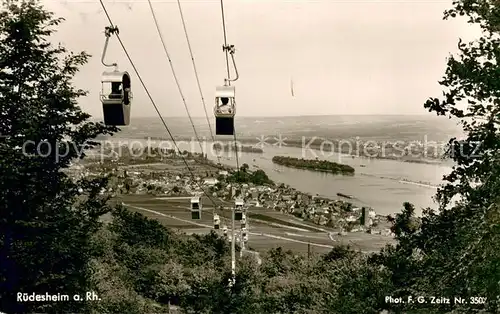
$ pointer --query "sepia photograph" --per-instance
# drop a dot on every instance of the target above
(241, 157)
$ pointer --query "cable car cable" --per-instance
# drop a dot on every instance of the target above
(177, 80)
(196, 73)
(222, 218)
(225, 40)
(154, 104)
(173, 73)
(229, 80)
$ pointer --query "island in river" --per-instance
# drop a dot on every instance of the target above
(231, 147)
(314, 165)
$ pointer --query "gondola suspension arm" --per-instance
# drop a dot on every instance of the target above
(108, 31)
(231, 50)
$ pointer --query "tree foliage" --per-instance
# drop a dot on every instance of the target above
(447, 254)
(472, 95)
(45, 232)
(258, 177)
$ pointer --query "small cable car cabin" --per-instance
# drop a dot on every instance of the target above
(196, 208)
(216, 221)
(224, 110)
(243, 220)
(238, 209)
(244, 234)
(116, 98)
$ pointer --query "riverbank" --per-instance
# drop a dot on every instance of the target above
(405, 152)
(410, 152)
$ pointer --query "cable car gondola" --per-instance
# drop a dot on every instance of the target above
(224, 110)
(243, 220)
(116, 93)
(116, 98)
(244, 235)
(238, 209)
(196, 207)
(216, 221)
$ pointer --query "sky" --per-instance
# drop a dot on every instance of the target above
(344, 57)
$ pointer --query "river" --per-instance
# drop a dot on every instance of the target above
(382, 184)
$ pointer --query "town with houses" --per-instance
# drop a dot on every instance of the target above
(167, 176)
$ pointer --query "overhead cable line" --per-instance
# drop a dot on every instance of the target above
(177, 81)
(174, 74)
(196, 73)
(198, 83)
(230, 49)
(225, 41)
(226, 49)
(154, 105)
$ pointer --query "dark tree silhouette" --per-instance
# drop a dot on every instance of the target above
(456, 251)
(244, 167)
(44, 232)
